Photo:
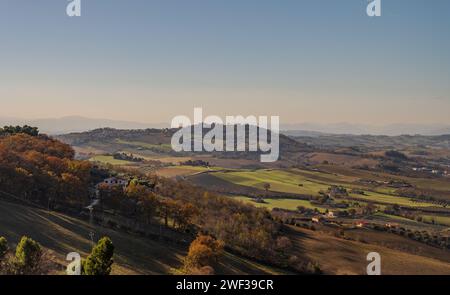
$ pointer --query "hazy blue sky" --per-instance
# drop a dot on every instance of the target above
(149, 60)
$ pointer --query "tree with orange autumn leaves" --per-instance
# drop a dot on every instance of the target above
(204, 252)
(46, 170)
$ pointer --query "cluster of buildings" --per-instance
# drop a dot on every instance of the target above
(431, 171)
(112, 182)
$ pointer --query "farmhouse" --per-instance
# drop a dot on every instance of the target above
(391, 225)
(109, 183)
(114, 181)
(360, 224)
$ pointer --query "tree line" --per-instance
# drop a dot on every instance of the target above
(9, 130)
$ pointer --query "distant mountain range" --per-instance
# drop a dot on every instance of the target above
(312, 129)
(55, 126)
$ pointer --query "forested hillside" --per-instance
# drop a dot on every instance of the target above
(42, 170)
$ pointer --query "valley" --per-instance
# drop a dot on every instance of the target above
(317, 210)
(345, 185)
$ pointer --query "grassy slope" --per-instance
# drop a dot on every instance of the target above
(313, 182)
(441, 185)
(388, 199)
(134, 255)
(280, 181)
(339, 256)
(289, 204)
(442, 220)
(182, 170)
(109, 160)
(158, 147)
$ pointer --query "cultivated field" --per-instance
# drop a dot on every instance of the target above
(109, 160)
(288, 204)
(279, 180)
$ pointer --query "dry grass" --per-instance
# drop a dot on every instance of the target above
(61, 234)
(339, 256)
(341, 159)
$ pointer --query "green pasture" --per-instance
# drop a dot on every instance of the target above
(288, 204)
(279, 180)
(109, 160)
